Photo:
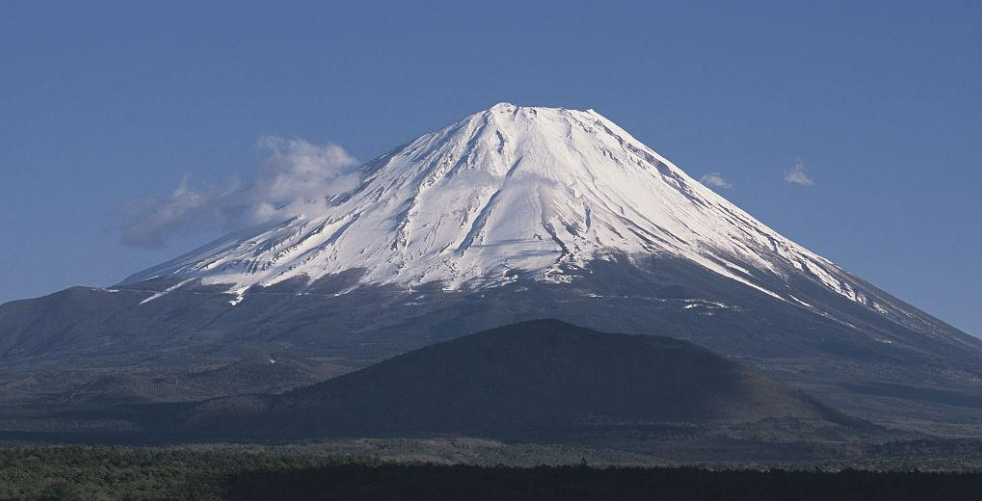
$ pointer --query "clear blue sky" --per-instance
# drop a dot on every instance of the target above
(105, 102)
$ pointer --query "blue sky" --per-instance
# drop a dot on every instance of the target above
(103, 103)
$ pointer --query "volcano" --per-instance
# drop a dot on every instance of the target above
(516, 192)
(513, 213)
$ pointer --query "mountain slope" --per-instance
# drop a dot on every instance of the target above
(535, 376)
(266, 374)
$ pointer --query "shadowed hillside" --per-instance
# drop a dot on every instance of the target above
(530, 377)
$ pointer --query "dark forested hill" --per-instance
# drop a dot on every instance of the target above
(537, 376)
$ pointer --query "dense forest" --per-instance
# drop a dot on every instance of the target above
(77, 473)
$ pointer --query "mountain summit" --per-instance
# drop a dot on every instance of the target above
(515, 192)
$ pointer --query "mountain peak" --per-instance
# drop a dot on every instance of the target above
(503, 106)
(533, 113)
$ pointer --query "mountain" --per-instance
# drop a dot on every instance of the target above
(511, 214)
(517, 192)
(536, 377)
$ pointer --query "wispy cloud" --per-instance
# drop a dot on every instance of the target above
(296, 178)
(798, 175)
(715, 180)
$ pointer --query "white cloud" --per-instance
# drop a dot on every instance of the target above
(296, 178)
(797, 175)
(715, 180)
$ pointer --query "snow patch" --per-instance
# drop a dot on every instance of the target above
(165, 291)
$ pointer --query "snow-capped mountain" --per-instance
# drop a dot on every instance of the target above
(511, 214)
(515, 192)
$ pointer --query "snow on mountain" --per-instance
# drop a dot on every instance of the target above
(514, 191)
